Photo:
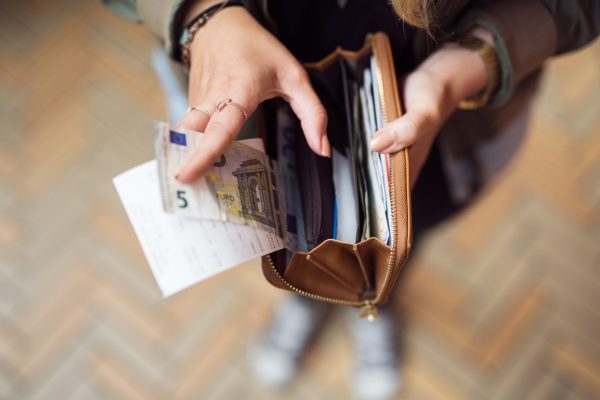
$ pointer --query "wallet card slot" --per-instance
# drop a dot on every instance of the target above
(315, 180)
(374, 256)
(347, 206)
(358, 155)
(333, 273)
(331, 265)
(347, 82)
(367, 275)
(316, 173)
(352, 70)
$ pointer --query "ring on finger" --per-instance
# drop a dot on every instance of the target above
(201, 109)
(229, 102)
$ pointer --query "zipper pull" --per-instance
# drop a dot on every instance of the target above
(369, 312)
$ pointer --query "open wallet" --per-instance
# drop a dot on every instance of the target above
(348, 216)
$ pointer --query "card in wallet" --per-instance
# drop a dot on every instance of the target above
(354, 257)
(346, 196)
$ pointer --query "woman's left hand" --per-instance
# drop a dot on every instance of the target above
(431, 93)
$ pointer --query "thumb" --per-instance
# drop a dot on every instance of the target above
(312, 115)
(402, 132)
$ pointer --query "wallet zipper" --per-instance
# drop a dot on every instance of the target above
(311, 295)
(369, 310)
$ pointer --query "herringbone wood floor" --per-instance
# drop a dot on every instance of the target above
(500, 303)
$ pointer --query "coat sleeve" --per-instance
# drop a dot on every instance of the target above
(577, 22)
(527, 32)
(161, 17)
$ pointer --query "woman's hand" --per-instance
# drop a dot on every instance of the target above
(431, 93)
(233, 56)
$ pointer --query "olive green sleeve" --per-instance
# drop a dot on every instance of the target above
(527, 32)
(163, 17)
(577, 22)
(524, 35)
(123, 8)
(159, 16)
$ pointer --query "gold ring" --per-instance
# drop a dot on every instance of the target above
(228, 102)
(201, 109)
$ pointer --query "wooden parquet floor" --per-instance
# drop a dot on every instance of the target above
(501, 303)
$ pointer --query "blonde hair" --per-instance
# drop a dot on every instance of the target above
(415, 12)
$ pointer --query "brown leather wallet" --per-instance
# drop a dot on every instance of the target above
(363, 273)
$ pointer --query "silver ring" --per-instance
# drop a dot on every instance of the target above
(228, 102)
(201, 109)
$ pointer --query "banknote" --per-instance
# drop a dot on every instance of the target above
(376, 209)
(241, 187)
(183, 251)
(384, 159)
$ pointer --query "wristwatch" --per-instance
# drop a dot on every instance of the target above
(488, 55)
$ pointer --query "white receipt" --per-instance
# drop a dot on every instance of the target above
(184, 251)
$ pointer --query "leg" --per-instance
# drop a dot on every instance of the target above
(274, 360)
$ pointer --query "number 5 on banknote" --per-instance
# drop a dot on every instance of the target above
(183, 203)
(241, 187)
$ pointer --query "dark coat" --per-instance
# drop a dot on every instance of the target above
(474, 144)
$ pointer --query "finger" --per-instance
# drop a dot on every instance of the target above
(402, 132)
(195, 119)
(308, 108)
(221, 130)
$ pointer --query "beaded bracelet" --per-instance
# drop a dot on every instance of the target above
(198, 22)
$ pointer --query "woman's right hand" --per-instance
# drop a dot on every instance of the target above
(233, 56)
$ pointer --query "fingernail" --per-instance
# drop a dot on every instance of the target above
(380, 141)
(178, 175)
(325, 147)
(374, 140)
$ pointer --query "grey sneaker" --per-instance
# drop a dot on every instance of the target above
(274, 361)
(376, 375)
